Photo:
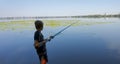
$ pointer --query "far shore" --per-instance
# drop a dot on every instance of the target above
(76, 16)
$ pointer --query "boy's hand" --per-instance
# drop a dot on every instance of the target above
(44, 41)
(49, 38)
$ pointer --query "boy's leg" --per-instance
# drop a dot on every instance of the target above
(43, 60)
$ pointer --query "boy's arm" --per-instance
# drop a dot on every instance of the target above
(37, 44)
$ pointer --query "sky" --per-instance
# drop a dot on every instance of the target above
(57, 7)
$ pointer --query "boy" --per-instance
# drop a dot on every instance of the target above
(40, 42)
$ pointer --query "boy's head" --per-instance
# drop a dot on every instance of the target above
(39, 24)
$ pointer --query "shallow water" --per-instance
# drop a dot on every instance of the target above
(90, 41)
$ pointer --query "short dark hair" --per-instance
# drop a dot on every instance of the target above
(38, 24)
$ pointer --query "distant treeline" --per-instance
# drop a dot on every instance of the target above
(98, 16)
(79, 16)
(35, 17)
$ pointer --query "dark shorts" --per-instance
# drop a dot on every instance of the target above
(42, 55)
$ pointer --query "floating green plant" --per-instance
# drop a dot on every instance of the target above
(29, 24)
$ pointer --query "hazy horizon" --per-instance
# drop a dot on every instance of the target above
(57, 7)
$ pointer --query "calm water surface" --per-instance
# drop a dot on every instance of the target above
(95, 43)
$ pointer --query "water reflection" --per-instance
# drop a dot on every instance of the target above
(110, 34)
(95, 42)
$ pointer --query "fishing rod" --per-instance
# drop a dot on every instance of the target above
(51, 37)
